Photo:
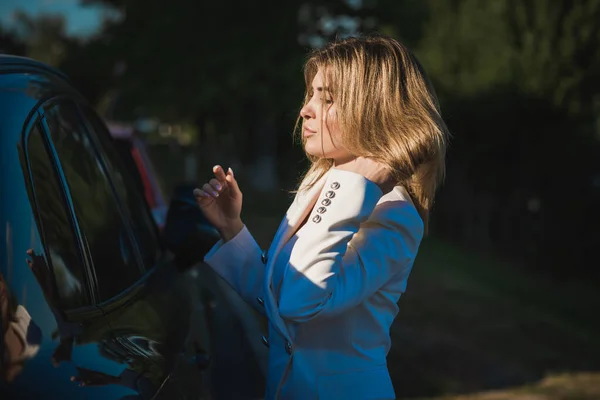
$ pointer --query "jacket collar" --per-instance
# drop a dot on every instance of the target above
(295, 214)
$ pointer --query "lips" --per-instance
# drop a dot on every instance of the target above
(308, 132)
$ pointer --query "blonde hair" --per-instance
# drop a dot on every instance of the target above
(387, 110)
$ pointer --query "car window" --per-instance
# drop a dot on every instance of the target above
(56, 227)
(128, 189)
(100, 221)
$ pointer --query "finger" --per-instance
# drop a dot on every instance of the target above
(219, 173)
(210, 190)
(230, 179)
(202, 198)
(199, 193)
(216, 185)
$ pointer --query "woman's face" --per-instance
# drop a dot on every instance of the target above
(320, 129)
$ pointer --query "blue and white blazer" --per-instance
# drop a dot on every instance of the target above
(330, 289)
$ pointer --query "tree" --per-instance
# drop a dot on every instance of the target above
(44, 37)
(10, 43)
(518, 82)
(197, 62)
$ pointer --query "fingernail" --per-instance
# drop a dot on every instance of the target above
(230, 171)
(215, 194)
(218, 186)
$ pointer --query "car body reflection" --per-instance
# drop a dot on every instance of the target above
(92, 304)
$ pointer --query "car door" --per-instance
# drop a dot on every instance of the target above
(63, 272)
(158, 315)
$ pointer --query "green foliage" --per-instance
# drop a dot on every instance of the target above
(44, 37)
(546, 49)
(518, 81)
(198, 58)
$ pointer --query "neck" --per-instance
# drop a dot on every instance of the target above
(343, 160)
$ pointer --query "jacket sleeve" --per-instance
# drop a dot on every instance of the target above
(351, 248)
(238, 261)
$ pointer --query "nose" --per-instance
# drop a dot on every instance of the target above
(308, 111)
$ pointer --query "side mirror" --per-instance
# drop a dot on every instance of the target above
(187, 232)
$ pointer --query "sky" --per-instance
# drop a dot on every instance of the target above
(81, 20)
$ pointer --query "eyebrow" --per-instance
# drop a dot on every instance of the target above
(322, 89)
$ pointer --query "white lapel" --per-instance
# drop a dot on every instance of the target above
(294, 215)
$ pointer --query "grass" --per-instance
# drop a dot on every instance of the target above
(581, 386)
(472, 327)
(469, 323)
(473, 324)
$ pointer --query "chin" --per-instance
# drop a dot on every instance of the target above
(314, 150)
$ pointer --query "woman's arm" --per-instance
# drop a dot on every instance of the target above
(238, 261)
(350, 250)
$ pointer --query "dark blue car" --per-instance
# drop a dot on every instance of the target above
(91, 295)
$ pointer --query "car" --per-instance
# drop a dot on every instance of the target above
(132, 149)
(92, 292)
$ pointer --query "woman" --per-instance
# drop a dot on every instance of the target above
(341, 258)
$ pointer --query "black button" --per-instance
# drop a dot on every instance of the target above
(264, 257)
(288, 348)
(326, 202)
(330, 195)
(265, 341)
(335, 185)
(316, 219)
(261, 301)
(321, 210)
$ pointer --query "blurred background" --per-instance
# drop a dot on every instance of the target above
(503, 302)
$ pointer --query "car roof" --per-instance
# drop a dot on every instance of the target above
(24, 85)
(9, 63)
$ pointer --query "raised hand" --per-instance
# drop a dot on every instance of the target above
(374, 171)
(220, 200)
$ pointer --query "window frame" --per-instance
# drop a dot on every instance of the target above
(70, 101)
(38, 117)
(101, 154)
(37, 120)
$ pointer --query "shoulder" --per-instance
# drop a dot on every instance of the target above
(393, 230)
(395, 210)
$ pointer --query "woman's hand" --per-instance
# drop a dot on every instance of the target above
(221, 202)
(374, 171)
